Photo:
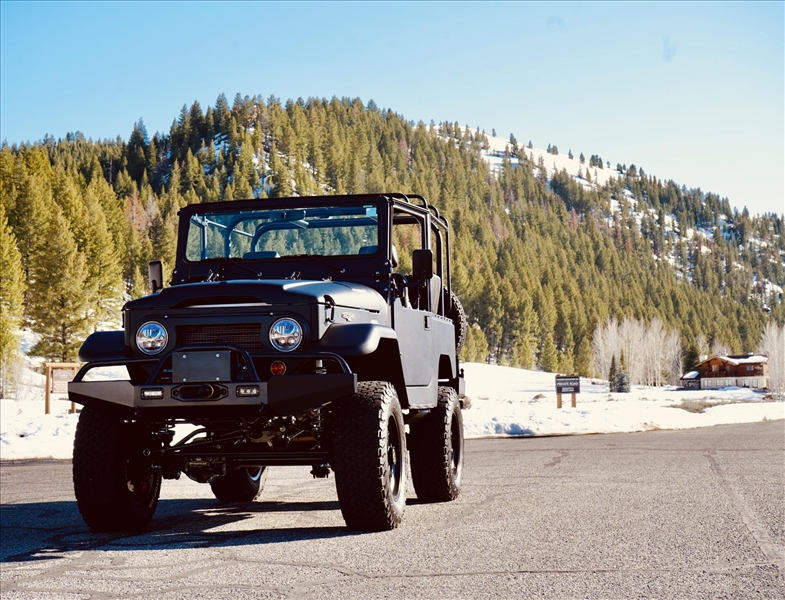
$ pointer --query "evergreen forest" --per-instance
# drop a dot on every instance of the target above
(539, 261)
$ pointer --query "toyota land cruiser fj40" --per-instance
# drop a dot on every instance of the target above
(291, 334)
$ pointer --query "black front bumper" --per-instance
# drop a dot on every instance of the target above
(283, 395)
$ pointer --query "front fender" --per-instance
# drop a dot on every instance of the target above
(355, 339)
(104, 346)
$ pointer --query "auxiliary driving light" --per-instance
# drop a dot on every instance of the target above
(278, 368)
(246, 391)
(154, 394)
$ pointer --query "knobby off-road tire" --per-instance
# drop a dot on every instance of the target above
(112, 492)
(369, 457)
(458, 316)
(241, 485)
(436, 448)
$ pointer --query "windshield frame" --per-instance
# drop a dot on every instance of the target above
(348, 266)
(266, 219)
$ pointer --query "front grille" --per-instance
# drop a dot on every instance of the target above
(247, 336)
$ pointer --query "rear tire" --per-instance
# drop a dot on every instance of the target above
(115, 487)
(437, 450)
(458, 316)
(240, 485)
(369, 457)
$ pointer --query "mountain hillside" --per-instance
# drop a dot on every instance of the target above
(548, 249)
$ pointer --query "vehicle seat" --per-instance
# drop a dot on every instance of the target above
(436, 292)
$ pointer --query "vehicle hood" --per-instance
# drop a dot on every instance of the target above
(274, 291)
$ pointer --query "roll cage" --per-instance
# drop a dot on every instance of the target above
(374, 268)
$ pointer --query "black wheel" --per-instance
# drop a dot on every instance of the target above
(436, 447)
(241, 485)
(369, 457)
(458, 316)
(115, 487)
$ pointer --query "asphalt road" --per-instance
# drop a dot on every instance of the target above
(663, 514)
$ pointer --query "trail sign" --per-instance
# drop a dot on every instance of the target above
(57, 377)
(568, 384)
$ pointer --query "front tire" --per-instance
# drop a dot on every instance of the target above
(115, 487)
(369, 457)
(437, 450)
(241, 485)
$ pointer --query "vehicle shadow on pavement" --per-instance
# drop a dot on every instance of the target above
(46, 530)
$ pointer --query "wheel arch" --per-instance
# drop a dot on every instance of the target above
(383, 364)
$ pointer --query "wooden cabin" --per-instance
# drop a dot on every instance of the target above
(736, 370)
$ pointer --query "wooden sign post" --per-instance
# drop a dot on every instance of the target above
(57, 377)
(567, 384)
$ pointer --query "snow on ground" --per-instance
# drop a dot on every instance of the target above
(505, 402)
(508, 401)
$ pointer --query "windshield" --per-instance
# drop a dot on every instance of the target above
(277, 233)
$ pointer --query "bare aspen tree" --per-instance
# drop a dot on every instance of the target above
(631, 333)
(652, 353)
(674, 362)
(703, 347)
(772, 344)
(604, 346)
(720, 348)
(654, 348)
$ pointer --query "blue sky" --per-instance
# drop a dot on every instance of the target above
(693, 92)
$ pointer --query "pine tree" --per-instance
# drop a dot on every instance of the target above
(622, 382)
(612, 374)
(282, 178)
(12, 287)
(476, 347)
(549, 356)
(137, 151)
(28, 220)
(582, 158)
(104, 268)
(59, 305)
(583, 359)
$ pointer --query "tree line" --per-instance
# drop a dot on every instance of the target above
(539, 262)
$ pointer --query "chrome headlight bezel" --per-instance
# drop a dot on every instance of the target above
(154, 335)
(286, 334)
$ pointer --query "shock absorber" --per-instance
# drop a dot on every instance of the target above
(318, 425)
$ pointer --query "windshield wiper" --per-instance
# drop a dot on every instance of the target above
(234, 261)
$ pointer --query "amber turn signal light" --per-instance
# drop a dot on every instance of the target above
(278, 368)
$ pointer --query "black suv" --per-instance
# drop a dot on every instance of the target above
(292, 333)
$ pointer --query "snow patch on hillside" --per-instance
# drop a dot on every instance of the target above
(702, 237)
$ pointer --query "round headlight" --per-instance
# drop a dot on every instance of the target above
(151, 337)
(286, 334)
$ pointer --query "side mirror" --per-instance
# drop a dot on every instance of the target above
(155, 275)
(422, 265)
